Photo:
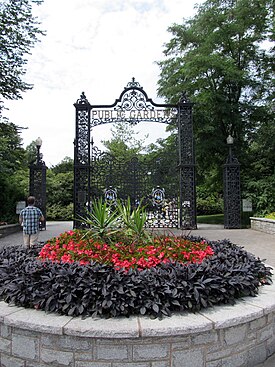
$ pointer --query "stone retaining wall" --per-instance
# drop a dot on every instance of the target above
(263, 224)
(7, 229)
(233, 336)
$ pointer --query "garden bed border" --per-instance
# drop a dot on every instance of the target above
(240, 335)
(263, 225)
(8, 229)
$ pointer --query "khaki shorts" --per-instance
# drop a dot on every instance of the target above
(30, 239)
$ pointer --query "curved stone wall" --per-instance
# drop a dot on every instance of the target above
(240, 335)
(263, 225)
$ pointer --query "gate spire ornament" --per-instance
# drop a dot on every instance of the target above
(133, 84)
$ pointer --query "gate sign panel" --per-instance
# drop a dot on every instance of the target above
(98, 174)
(158, 196)
(110, 195)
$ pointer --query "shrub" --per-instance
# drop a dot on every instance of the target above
(59, 212)
(101, 290)
(270, 216)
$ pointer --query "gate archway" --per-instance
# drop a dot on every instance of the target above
(169, 203)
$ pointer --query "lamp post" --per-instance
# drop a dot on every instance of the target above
(38, 143)
(37, 186)
(232, 189)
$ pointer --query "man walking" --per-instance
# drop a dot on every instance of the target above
(30, 217)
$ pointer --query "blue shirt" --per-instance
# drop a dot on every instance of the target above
(30, 217)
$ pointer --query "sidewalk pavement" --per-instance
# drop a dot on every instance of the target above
(260, 244)
(53, 229)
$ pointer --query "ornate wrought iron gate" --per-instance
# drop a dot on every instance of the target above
(169, 203)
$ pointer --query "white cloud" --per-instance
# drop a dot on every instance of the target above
(95, 46)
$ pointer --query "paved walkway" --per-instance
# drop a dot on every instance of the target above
(260, 244)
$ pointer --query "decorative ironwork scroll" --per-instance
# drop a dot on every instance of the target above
(186, 165)
(133, 106)
(82, 159)
(97, 172)
(232, 192)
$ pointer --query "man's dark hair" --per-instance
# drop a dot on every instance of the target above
(31, 200)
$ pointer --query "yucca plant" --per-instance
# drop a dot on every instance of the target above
(133, 220)
(101, 220)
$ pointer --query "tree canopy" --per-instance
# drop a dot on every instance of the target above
(19, 32)
(124, 143)
(223, 58)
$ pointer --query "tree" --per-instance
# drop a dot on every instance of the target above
(12, 158)
(11, 152)
(65, 166)
(18, 34)
(60, 183)
(124, 145)
(222, 59)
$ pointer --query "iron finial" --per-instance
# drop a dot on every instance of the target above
(133, 84)
(83, 99)
(183, 98)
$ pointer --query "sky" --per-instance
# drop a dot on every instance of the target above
(95, 46)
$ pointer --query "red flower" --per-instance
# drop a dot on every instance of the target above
(74, 246)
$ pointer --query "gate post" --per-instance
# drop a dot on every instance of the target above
(187, 205)
(37, 184)
(232, 189)
(82, 159)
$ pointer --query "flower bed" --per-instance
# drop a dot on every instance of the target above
(80, 246)
(106, 289)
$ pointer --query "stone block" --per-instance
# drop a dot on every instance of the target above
(236, 334)
(107, 328)
(10, 361)
(112, 352)
(133, 364)
(40, 321)
(227, 316)
(5, 331)
(236, 360)
(257, 324)
(184, 324)
(161, 364)
(257, 355)
(214, 364)
(205, 338)
(67, 342)
(222, 352)
(5, 345)
(6, 309)
(271, 347)
(50, 356)
(265, 333)
(150, 352)
(93, 364)
(180, 343)
(266, 301)
(25, 347)
(188, 358)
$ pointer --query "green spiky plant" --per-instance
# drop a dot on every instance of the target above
(123, 223)
(102, 222)
(133, 220)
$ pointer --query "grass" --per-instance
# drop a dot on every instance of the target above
(211, 219)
